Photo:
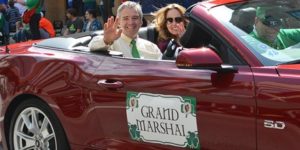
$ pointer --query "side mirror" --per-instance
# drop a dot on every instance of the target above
(202, 58)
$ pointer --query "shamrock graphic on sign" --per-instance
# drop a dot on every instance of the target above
(193, 140)
(134, 133)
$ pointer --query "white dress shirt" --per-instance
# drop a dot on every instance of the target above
(147, 49)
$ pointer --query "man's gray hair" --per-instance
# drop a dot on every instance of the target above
(131, 5)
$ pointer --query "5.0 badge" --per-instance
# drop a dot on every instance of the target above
(274, 124)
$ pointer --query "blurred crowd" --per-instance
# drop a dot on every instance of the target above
(96, 12)
(22, 20)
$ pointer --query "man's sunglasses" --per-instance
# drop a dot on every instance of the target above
(272, 22)
(177, 20)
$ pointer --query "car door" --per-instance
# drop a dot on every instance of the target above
(277, 92)
(152, 104)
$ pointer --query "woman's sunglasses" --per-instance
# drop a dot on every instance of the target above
(177, 20)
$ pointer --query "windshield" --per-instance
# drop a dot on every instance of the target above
(270, 29)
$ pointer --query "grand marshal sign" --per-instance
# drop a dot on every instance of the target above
(164, 119)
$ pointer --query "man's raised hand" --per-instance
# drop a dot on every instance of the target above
(111, 31)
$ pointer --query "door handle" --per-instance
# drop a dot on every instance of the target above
(110, 84)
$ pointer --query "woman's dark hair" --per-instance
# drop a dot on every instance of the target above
(72, 11)
(93, 12)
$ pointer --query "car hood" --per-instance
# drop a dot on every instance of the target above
(29, 49)
(17, 48)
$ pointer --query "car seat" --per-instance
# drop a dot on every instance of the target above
(244, 19)
(195, 36)
(149, 33)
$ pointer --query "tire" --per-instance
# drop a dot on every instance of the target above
(35, 127)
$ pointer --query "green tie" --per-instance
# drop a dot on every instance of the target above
(134, 50)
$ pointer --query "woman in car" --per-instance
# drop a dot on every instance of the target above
(170, 24)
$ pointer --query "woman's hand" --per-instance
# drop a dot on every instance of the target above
(180, 29)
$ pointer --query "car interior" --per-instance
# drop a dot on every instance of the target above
(196, 36)
(149, 33)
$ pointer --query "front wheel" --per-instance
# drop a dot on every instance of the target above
(35, 127)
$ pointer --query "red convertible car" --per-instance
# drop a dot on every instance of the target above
(234, 86)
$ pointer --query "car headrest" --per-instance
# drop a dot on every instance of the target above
(149, 33)
(195, 36)
(244, 19)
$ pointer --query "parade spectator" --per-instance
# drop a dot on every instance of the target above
(125, 39)
(46, 28)
(74, 23)
(34, 11)
(4, 24)
(13, 15)
(170, 24)
(20, 4)
(2, 19)
(91, 23)
(22, 32)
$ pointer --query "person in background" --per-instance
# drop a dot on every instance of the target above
(13, 15)
(36, 6)
(170, 24)
(2, 17)
(46, 28)
(74, 24)
(122, 34)
(22, 32)
(91, 23)
(20, 4)
(4, 24)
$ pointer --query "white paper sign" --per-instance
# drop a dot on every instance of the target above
(164, 119)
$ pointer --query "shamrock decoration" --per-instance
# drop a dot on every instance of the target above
(188, 106)
(134, 133)
(132, 101)
(193, 140)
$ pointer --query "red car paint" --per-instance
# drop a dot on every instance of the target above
(87, 92)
